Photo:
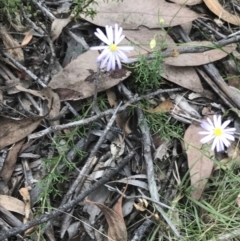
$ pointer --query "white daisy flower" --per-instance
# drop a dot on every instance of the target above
(113, 52)
(218, 132)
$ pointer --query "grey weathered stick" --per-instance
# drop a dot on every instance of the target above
(20, 66)
(96, 117)
(149, 161)
(85, 170)
(139, 233)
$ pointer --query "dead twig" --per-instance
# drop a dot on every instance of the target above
(139, 233)
(21, 67)
(77, 185)
(146, 139)
(45, 217)
(98, 116)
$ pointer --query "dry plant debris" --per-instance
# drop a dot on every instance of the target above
(75, 132)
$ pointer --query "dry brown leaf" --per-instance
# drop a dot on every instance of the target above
(221, 13)
(118, 206)
(54, 104)
(121, 120)
(76, 80)
(26, 40)
(26, 198)
(183, 76)
(12, 204)
(196, 59)
(11, 44)
(117, 230)
(57, 26)
(28, 212)
(13, 130)
(32, 92)
(49, 95)
(10, 162)
(187, 2)
(133, 13)
(200, 165)
(165, 106)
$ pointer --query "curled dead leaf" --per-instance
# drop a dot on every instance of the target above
(117, 230)
(221, 13)
(12, 46)
(12, 204)
(13, 130)
(58, 25)
(77, 78)
(10, 162)
(27, 38)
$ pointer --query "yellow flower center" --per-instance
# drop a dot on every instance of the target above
(113, 47)
(218, 132)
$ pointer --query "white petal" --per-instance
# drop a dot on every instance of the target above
(126, 48)
(225, 141)
(229, 137)
(103, 55)
(214, 143)
(102, 36)
(206, 139)
(207, 126)
(122, 55)
(230, 130)
(205, 132)
(218, 144)
(104, 61)
(109, 65)
(119, 40)
(113, 62)
(218, 147)
(109, 31)
(210, 123)
(217, 121)
(98, 47)
(118, 62)
(221, 142)
(118, 32)
(225, 124)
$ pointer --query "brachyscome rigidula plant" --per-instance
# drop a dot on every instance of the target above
(217, 132)
(112, 53)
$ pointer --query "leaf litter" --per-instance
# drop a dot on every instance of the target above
(47, 67)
